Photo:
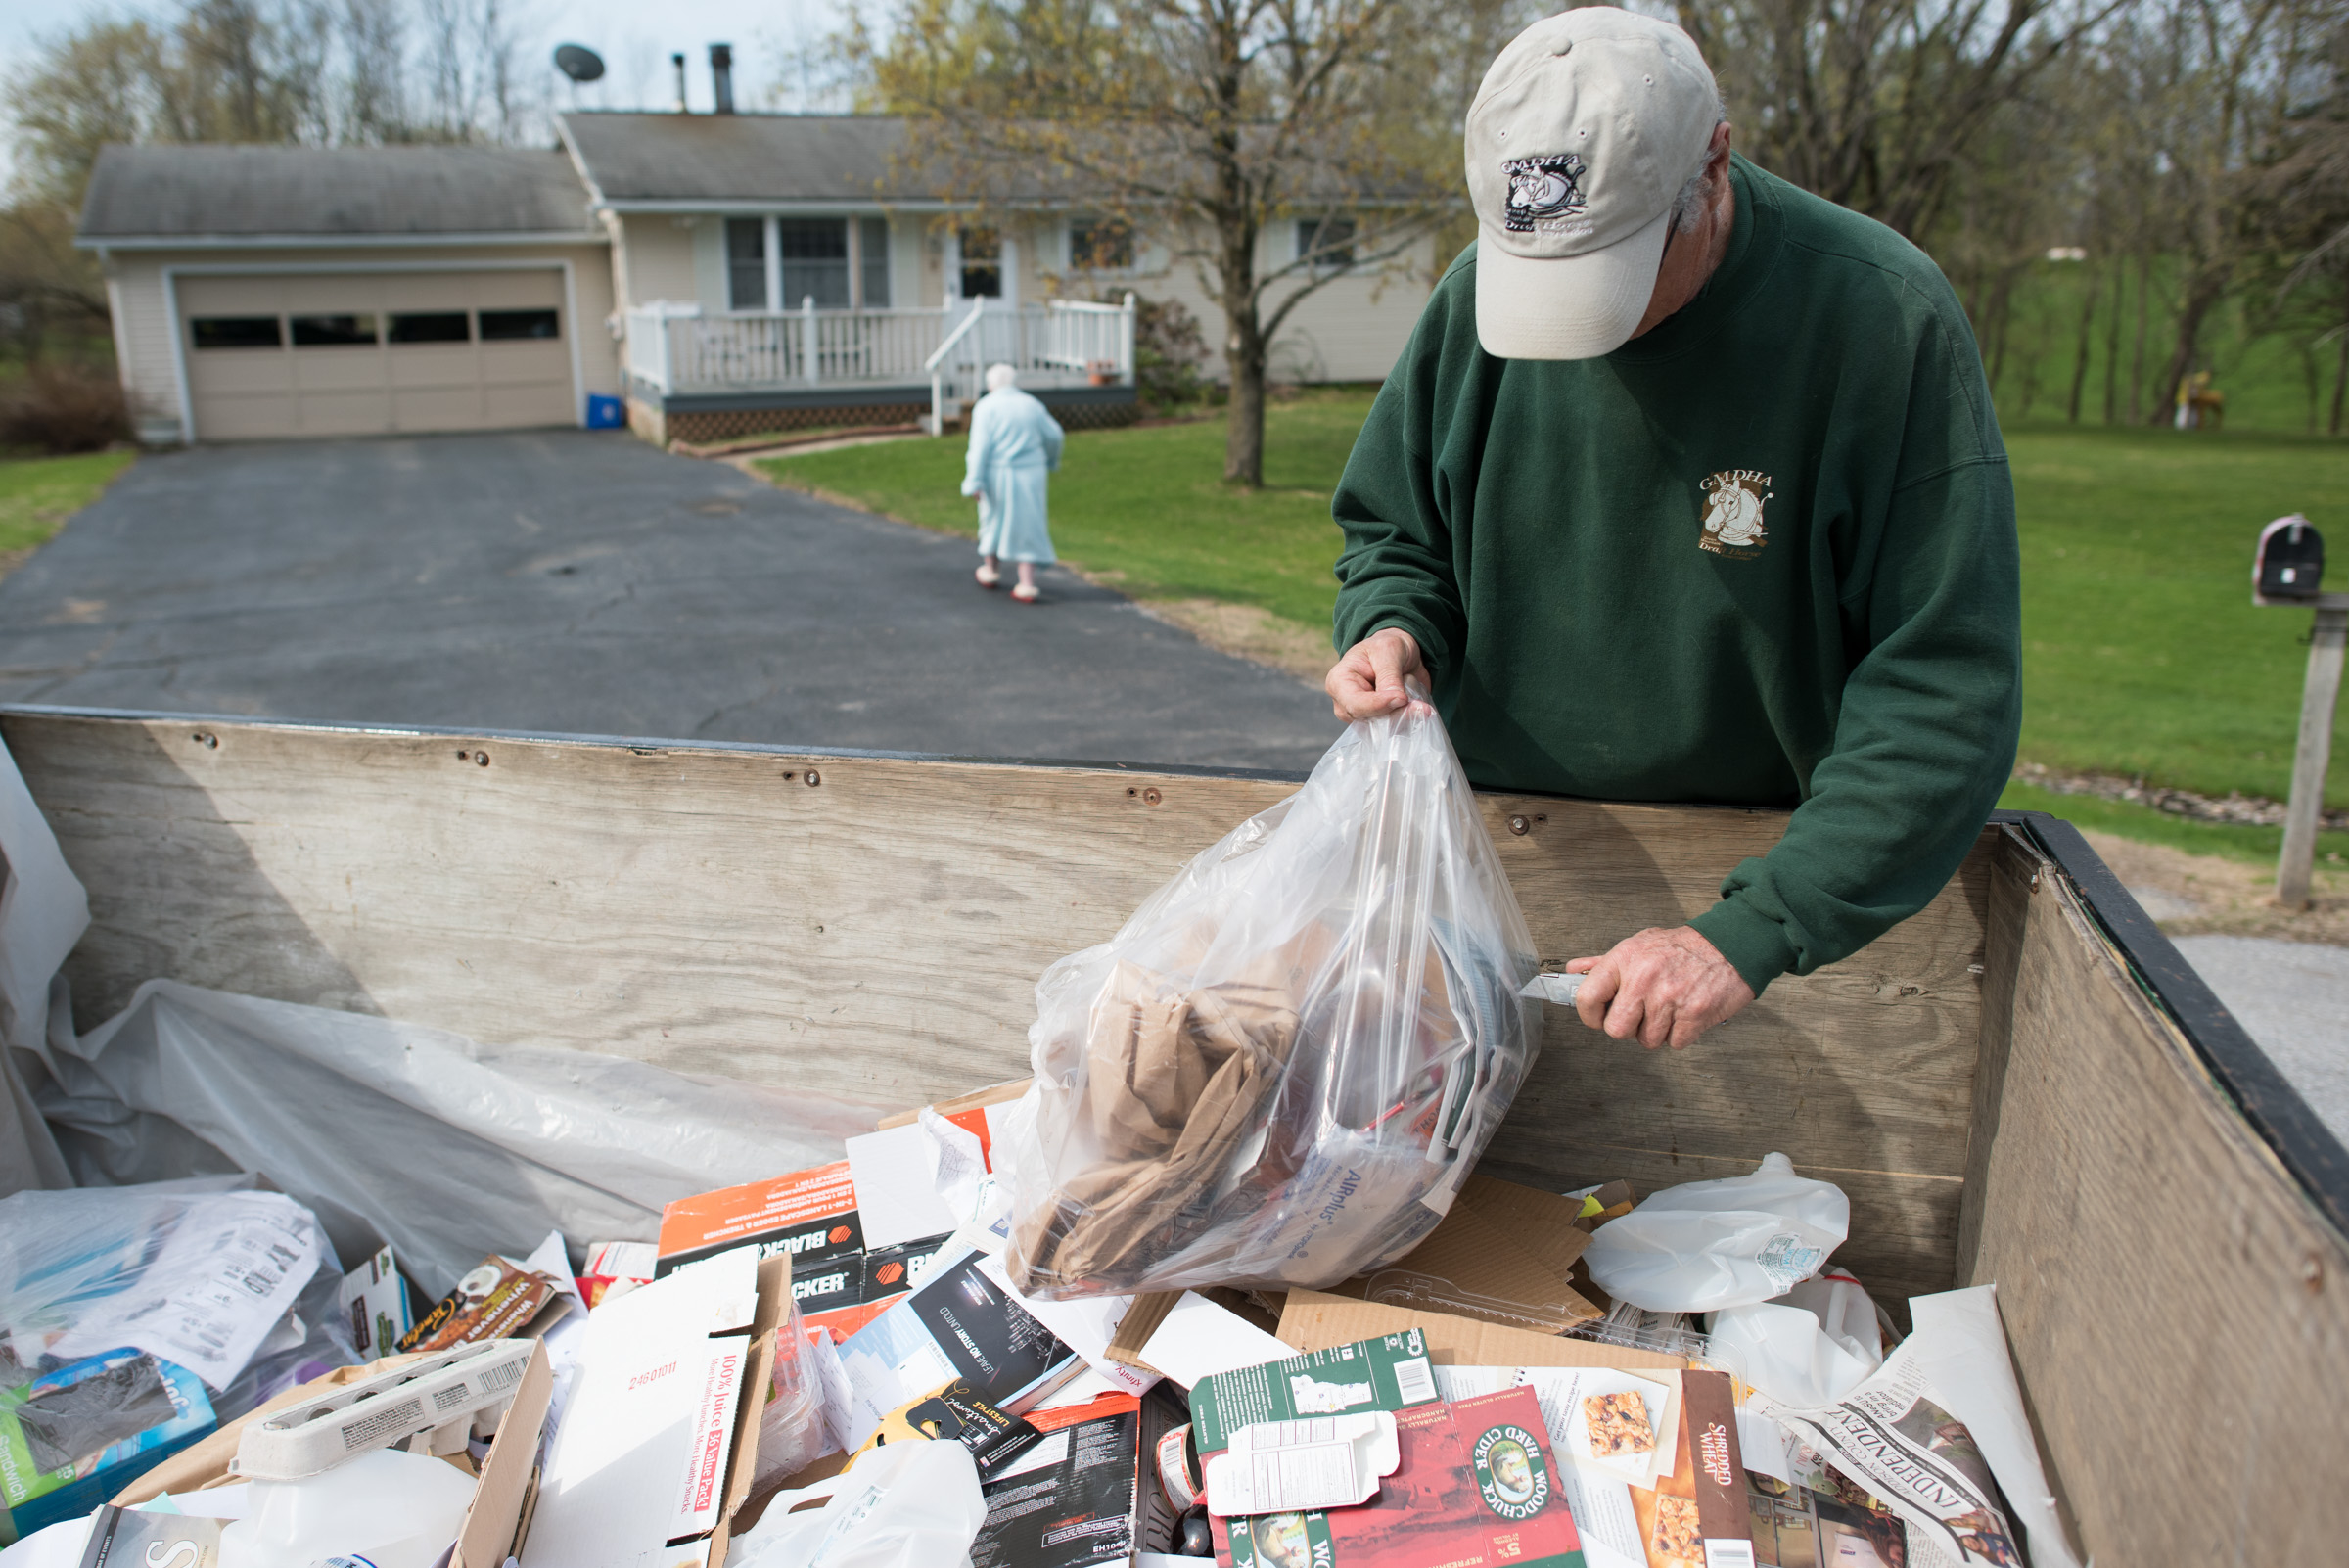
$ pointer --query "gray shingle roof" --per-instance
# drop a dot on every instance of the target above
(752, 158)
(250, 192)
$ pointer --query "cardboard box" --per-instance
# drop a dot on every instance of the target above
(377, 1299)
(1312, 1321)
(1382, 1372)
(660, 1436)
(501, 1485)
(115, 1414)
(1086, 1494)
(840, 1279)
(1477, 1488)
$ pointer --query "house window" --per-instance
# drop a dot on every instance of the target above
(1100, 245)
(1331, 237)
(333, 331)
(746, 264)
(509, 326)
(816, 261)
(236, 332)
(873, 263)
(982, 264)
(432, 326)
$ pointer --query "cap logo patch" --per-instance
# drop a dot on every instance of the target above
(1544, 191)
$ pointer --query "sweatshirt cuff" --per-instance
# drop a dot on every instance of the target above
(1431, 648)
(1755, 945)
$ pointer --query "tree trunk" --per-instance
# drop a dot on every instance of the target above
(2079, 362)
(2137, 361)
(1243, 341)
(2112, 339)
(2200, 296)
(2340, 377)
(1244, 423)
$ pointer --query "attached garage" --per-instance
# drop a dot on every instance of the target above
(365, 354)
(266, 293)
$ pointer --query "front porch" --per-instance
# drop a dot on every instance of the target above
(696, 377)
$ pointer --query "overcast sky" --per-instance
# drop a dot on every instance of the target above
(635, 40)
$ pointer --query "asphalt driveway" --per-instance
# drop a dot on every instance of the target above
(568, 581)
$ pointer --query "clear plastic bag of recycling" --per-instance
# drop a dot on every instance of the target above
(1284, 1066)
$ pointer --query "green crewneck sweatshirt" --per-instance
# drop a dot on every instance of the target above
(1763, 555)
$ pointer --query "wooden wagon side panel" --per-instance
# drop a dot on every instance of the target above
(2173, 1298)
(878, 933)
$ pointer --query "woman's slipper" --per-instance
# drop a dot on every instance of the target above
(1026, 593)
(988, 576)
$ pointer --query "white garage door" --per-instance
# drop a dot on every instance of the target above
(367, 353)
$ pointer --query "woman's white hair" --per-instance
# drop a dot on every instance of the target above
(999, 376)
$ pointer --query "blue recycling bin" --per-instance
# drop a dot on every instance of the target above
(603, 412)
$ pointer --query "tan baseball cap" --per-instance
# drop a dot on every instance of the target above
(1585, 128)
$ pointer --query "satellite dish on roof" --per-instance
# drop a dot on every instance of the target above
(580, 62)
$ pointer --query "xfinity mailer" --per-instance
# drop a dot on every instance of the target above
(1328, 1462)
(645, 1462)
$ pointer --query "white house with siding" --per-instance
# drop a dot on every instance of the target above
(710, 275)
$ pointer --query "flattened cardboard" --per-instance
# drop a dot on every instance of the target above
(1140, 1321)
(1542, 1223)
(1313, 1322)
(770, 1319)
(1002, 1093)
(1201, 1337)
(662, 1382)
(1473, 1266)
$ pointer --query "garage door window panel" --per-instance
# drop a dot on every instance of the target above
(333, 331)
(520, 326)
(431, 326)
(237, 332)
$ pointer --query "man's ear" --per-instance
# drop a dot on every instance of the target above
(1717, 156)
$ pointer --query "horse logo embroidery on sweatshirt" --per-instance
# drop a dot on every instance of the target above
(1734, 515)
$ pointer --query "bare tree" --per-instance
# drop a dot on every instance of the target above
(1204, 122)
(1877, 103)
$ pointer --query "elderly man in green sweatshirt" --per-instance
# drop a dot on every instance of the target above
(1689, 488)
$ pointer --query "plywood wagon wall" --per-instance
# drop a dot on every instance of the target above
(874, 926)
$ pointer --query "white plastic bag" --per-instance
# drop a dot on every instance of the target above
(900, 1506)
(1284, 1065)
(1810, 1346)
(395, 1132)
(1713, 1244)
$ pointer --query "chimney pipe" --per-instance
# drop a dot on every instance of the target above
(678, 62)
(722, 77)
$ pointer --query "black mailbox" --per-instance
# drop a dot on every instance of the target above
(2290, 562)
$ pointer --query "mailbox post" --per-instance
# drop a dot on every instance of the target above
(2287, 571)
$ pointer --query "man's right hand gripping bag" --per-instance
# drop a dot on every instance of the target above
(1282, 1069)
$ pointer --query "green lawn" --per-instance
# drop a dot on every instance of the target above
(38, 494)
(2142, 650)
(1148, 509)
(2143, 653)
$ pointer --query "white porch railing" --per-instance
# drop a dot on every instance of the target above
(674, 349)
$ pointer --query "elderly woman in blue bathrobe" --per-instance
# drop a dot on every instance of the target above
(1014, 444)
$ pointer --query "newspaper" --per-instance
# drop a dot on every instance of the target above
(1933, 1432)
